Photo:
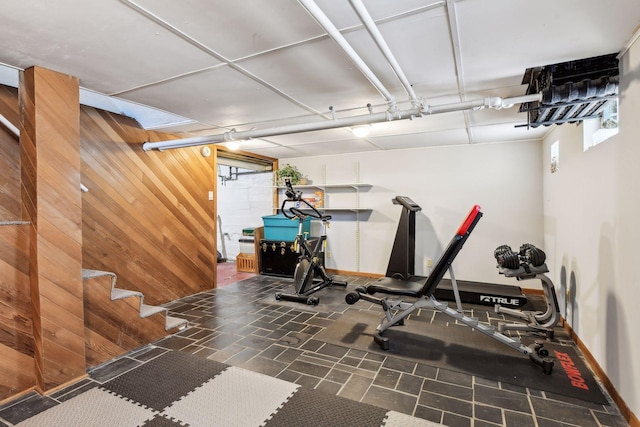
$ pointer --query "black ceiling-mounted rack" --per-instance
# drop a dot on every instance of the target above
(571, 91)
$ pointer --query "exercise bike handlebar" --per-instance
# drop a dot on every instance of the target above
(296, 211)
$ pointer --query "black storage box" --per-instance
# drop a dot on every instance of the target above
(278, 258)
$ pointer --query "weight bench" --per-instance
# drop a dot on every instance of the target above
(422, 288)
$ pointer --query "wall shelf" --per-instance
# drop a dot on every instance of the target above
(355, 186)
(341, 209)
(326, 188)
(341, 201)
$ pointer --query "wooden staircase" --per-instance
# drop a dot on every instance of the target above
(117, 320)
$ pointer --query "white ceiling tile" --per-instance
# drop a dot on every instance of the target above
(506, 132)
(280, 152)
(239, 28)
(338, 134)
(221, 97)
(425, 139)
(421, 45)
(426, 123)
(500, 39)
(108, 45)
(336, 147)
(317, 74)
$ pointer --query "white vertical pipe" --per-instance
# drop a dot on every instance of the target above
(335, 34)
(371, 26)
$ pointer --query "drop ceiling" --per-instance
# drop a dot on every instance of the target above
(204, 67)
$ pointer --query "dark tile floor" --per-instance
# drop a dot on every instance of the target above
(243, 325)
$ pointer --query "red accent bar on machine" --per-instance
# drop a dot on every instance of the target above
(468, 221)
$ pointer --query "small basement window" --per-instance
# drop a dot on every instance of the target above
(599, 129)
(555, 156)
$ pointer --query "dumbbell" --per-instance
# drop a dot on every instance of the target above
(532, 254)
(506, 258)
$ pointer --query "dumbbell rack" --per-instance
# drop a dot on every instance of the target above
(527, 264)
(536, 321)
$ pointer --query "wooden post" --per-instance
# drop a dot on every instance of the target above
(51, 201)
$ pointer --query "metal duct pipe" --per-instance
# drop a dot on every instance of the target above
(371, 26)
(387, 116)
(9, 126)
(335, 34)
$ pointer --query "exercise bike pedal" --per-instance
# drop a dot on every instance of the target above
(338, 283)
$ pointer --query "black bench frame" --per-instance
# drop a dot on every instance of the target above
(422, 289)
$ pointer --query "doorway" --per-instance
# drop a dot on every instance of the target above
(244, 194)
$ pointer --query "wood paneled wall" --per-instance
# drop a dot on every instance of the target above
(146, 216)
(17, 370)
(9, 158)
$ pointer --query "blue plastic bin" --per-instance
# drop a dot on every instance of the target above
(279, 227)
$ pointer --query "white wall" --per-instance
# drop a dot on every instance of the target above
(504, 179)
(242, 204)
(592, 235)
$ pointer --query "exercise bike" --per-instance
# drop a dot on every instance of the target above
(310, 262)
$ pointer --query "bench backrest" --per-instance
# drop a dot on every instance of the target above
(450, 253)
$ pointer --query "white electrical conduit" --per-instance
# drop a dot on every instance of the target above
(335, 34)
(493, 102)
(371, 26)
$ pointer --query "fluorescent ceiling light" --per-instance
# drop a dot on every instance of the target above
(361, 131)
(233, 145)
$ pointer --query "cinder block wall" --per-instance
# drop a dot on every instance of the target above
(242, 204)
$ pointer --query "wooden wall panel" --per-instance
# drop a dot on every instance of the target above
(50, 182)
(17, 370)
(9, 158)
(146, 216)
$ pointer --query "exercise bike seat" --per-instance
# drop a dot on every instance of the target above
(389, 285)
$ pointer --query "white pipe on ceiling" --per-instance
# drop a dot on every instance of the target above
(335, 34)
(387, 116)
(371, 26)
(9, 126)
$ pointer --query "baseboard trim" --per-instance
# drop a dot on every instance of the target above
(354, 273)
(626, 412)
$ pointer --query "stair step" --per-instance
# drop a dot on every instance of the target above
(149, 310)
(146, 310)
(175, 322)
(88, 274)
(117, 294)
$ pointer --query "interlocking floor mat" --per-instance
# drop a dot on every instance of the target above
(459, 348)
(178, 389)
